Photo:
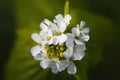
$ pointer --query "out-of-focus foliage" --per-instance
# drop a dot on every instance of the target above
(29, 14)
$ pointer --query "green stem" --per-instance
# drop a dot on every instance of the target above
(66, 8)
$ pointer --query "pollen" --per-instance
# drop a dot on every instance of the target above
(55, 51)
(61, 54)
(59, 33)
(61, 48)
(48, 38)
(70, 61)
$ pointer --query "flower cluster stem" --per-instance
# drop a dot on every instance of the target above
(66, 8)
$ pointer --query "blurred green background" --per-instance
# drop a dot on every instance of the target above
(20, 18)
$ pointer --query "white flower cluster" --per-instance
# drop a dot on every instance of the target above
(58, 49)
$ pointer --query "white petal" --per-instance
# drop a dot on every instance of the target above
(50, 42)
(47, 21)
(63, 65)
(54, 68)
(45, 24)
(70, 39)
(59, 17)
(43, 36)
(69, 43)
(78, 42)
(81, 47)
(37, 52)
(82, 24)
(68, 53)
(85, 38)
(70, 36)
(86, 30)
(71, 68)
(78, 55)
(50, 33)
(36, 37)
(76, 31)
(55, 40)
(62, 38)
(62, 27)
(45, 63)
(61, 24)
(67, 18)
(54, 28)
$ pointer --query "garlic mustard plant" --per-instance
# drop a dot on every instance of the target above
(57, 49)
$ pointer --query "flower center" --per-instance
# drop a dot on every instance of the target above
(59, 33)
(48, 38)
(78, 36)
(55, 51)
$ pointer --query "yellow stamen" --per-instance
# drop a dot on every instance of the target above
(61, 48)
(59, 33)
(61, 54)
(51, 54)
(57, 48)
(70, 61)
(48, 38)
(47, 48)
(57, 54)
(51, 47)
(55, 51)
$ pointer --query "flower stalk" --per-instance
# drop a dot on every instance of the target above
(66, 7)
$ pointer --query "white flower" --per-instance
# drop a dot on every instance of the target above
(54, 66)
(81, 33)
(45, 63)
(45, 25)
(47, 37)
(63, 65)
(62, 23)
(71, 68)
(57, 29)
(49, 63)
(79, 52)
(38, 39)
(44, 37)
(60, 39)
(73, 53)
(39, 53)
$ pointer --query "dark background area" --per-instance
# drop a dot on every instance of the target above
(107, 69)
(7, 32)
